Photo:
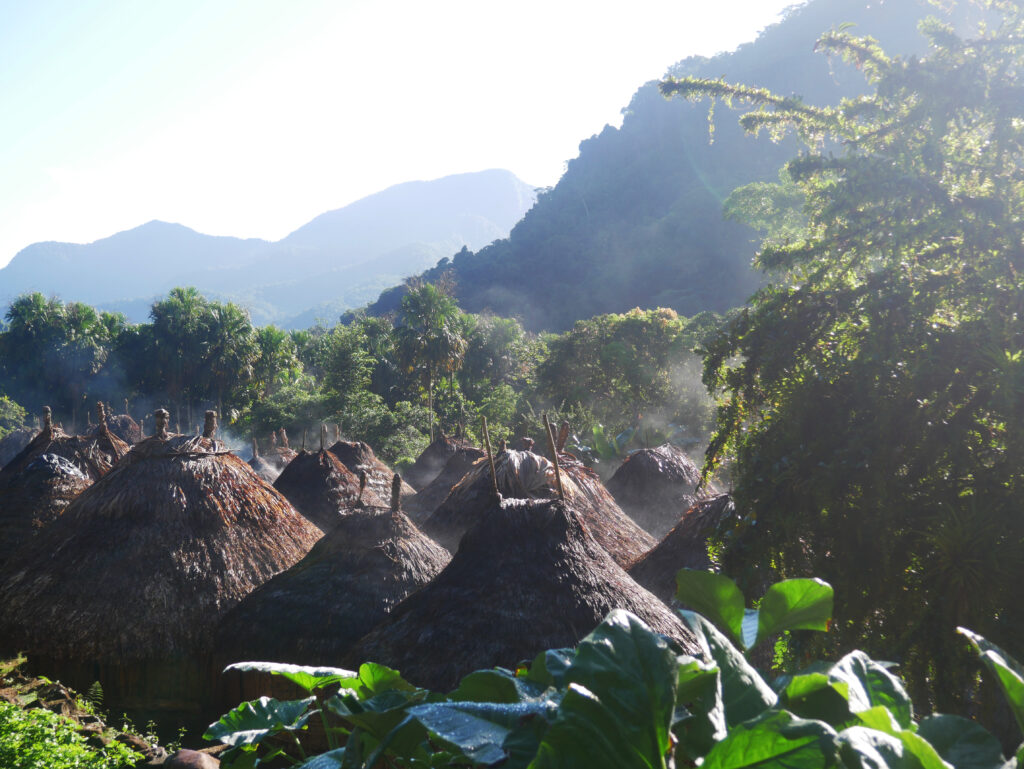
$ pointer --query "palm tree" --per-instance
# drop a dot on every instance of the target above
(430, 336)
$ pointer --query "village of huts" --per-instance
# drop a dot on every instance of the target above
(148, 563)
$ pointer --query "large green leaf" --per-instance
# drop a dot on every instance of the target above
(587, 733)
(699, 719)
(480, 729)
(550, 667)
(864, 748)
(373, 679)
(1007, 670)
(384, 716)
(308, 678)
(495, 686)
(252, 722)
(819, 696)
(777, 739)
(962, 742)
(794, 604)
(633, 672)
(714, 596)
(870, 684)
(744, 693)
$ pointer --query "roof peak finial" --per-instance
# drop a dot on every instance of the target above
(210, 426)
(160, 419)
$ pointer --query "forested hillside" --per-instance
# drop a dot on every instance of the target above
(637, 219)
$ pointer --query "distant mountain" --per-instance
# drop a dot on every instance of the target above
(637, 218)
(340, 259)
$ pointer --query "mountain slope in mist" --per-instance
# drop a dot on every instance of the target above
(340, 259)
(637, 218)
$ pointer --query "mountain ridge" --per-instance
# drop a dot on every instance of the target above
(384, 236)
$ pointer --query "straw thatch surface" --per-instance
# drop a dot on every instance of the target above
(94, 454)
(14, 442)
(322, 488)
(356, 456)
(432, 461)
(264, 468)
(684, 547)
(525, 475)
(429, 497)
(147, 559)
(529, 577)
(125, 428)
(655, 486)
(612, 528)
(313, 612)
(35, 498)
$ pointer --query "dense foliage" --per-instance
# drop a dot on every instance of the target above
(392, 382)
(873, 389)
(626, 697)
(38, 739)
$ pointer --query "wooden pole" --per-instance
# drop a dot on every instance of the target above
(490, 459)
(554, 456)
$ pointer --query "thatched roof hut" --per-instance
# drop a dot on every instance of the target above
(322, 488)
(429, 497)
(269, 463)
(14, 442)
(655, 486)
(432, 461)
(684, 547)
(125, 428)
(35, 498)
(313, 612)
(358, 456)
(525, 475)
(128, 588)
(529, 577)
(94, 454)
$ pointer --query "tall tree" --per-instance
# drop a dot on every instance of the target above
(873, 391)
(430, 337)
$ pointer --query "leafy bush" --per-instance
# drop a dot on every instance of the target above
(39, 739)
(627, 697)
(12, 416)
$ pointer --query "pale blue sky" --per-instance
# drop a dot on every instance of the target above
(250, 117)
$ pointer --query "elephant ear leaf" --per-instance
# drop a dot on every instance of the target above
(716, 597)
(1007, 671)
(795, 604)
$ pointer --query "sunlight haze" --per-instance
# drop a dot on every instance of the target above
(250, 118)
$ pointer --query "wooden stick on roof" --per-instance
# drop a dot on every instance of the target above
(396, 493)
(554, 456)
(490, 459)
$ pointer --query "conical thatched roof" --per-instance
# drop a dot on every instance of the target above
(313, 612)
(655, 486)
(322, 488)
(525, 475)
(94, 454)
(358, 456)
(433, 460)
(264, 469)
(36, 497)
(125, 428)
(147, 559)
(14, 442)
(684, 547)
(527, 577)
(429, 497)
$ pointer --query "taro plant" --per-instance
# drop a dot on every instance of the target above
(628, 698)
